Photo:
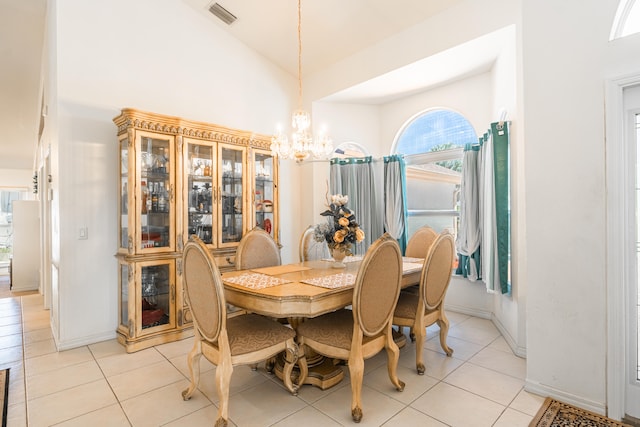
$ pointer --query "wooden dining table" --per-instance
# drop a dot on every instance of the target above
(303, 290)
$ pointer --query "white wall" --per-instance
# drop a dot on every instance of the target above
(567, 58)
(116, 54)
(17, 178)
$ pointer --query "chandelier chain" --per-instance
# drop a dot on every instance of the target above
(300, 54)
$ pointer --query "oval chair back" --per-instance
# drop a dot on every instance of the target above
(257, 249)
(419, 244)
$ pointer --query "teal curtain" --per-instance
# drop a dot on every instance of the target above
(395, 199)
(485, 211)
(501, 161)
(355, 177)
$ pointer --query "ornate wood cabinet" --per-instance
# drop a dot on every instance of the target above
(180, 177)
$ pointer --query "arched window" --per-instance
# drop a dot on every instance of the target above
(627, 20)
(432, 143)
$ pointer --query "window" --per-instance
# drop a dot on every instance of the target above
(6, 219)
(432, 143)
(627, 20)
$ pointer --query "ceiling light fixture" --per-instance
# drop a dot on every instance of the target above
(302, 144)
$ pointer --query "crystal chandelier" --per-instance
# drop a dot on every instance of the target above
(302, 144)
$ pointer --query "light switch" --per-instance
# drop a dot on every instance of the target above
(84, 233)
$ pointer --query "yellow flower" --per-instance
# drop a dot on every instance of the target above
(343, 222)
(359, 235)
(339, 236)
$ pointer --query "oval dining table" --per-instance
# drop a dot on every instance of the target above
(303, 290)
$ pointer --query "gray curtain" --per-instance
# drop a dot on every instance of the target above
(355, 177)
(395, 199)
(470, 230)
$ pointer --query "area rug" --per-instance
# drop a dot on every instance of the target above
(4, 392)
(553, 413)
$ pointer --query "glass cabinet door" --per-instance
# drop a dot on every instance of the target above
(124, 284)
(264, 197)
(124, 195)
(156, 226)
(157, 295)
(200, 193)
(231, 178)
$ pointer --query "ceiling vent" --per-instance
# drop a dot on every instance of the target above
(223, 14)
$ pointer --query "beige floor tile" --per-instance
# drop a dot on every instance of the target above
(437, 365)
(176, 348)
(263, 405)
(455, 318)
(163, 405)
(35, 316)
(62, 379)
(138, 381)
(410, 417)
(415, 385)
(111, 416)
(377, 407)
(53, 361)
(311, 394)
(106, 348)
(241, 379)
(37, 324)
(180, 362)
(16, 383)
(37, 335)
(307, 417)
(463, 350)
(482, 335)
(513, 418)
(527, 402)
(507, 363)
(124, 362)
(500, 344)
(457, 407)
(39, 348)
(204, 417)
(71, 403)
(484, 382)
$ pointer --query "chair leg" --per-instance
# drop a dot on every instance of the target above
(223, 381)
(443, 323)
(420, 338)
(393, 355)
(356, 373)
(193, 361)
(290, 359)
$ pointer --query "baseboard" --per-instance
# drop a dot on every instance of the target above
(544, 390)
(517, 350)
(484, 314)
(88, 340)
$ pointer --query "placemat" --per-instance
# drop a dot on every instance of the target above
(280, 269)
(333, 281)
(412, 260)
(256, 280)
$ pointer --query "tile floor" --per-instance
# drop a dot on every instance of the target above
(102, 385)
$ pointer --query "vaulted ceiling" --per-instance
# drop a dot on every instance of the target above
(331, 30)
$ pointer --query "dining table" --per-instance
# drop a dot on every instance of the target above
(304, 290)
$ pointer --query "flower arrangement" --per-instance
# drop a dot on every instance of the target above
(341, 230)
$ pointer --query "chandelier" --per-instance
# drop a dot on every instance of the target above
(302, 144)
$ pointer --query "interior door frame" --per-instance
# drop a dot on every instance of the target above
(620, 262)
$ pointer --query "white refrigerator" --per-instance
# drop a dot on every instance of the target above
(25, 264)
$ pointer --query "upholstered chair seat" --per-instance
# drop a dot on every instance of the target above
(358, 334)
(227, 342)
(418, 311)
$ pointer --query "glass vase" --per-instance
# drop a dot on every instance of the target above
(339, 254)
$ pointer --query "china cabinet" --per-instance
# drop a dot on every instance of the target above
(180, 177)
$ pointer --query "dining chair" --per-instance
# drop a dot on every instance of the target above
(358, 334)
(257, 249)
(421, 310)
(310, 249)
(227, 342)
(420, 241)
